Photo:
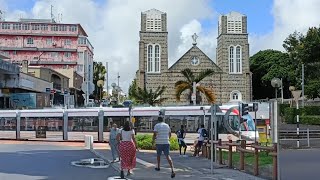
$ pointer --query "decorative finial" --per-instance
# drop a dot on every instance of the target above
(194, 37)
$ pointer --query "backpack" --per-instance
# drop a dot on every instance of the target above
(204, 133)
(179, 135)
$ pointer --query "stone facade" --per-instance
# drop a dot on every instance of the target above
(228, 84)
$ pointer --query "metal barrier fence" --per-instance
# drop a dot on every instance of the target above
(307, 138)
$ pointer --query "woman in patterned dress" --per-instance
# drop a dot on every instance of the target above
(127, 148)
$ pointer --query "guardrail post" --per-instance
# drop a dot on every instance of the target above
(220, 151)
(242, 145)
(308, 137)
(230, 154)
(65, 125)
(275, 162)
(18, 124)
(256, 161)
(100, 126)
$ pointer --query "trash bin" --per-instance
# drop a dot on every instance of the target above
(41, 132)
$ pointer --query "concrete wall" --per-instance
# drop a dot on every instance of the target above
(33, 83)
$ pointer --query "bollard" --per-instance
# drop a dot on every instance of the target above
(220, 151)
(242, 145)
(275, 163)
(204, 149)
(230, 154)
(256, 161)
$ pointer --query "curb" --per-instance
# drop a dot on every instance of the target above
(107, 160)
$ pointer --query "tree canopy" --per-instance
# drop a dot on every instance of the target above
(300, 49)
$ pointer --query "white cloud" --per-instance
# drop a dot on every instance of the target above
(289, 16)
(113, 28)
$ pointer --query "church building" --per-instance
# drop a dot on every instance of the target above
(231, 81)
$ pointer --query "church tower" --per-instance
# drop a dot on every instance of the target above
(233, 57)
(153, 47)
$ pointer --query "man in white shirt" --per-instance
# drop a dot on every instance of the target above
(200, 141)
(161, 136)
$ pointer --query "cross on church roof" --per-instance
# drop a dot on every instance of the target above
(194, 37)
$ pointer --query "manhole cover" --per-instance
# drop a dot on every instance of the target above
(91, 163)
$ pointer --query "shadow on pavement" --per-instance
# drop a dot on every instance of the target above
(49, 165)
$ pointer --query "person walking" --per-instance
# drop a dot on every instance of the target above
(161, 136)
(181, 134)
(127, 149)
(113, 142)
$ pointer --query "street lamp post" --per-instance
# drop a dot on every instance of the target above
(277, 83)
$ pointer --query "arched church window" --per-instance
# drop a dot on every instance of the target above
(238, 59)
(157, 58)
(235, 96)
(150, 59)
(231, 59)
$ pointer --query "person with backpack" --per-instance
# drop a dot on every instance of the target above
(202, 135)
(181, 134)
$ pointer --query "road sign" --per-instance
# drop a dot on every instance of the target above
(88, 85)
(193, 97)
(48, 90)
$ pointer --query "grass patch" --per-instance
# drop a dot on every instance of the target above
(264, 158)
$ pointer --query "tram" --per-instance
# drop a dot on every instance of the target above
(192, 117)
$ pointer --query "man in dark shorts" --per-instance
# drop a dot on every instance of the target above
(200, 141)
(161, 136)
(181, 134)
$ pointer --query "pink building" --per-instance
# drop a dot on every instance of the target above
(62, 47)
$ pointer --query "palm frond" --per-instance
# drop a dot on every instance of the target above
(203, 74)
(180, 82)
(188, 74)
(208, 93)
(181, 88)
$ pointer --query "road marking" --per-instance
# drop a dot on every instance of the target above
(145, 163)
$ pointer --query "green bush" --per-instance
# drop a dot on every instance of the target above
(289, 115)
(311, 120)
(282, 108)
(310, 111)
(144, 141)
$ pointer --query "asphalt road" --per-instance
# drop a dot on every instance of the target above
(52, 162)
(300, 164)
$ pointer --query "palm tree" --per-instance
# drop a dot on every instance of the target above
(181, 86)
(99, 71)
(144, 96)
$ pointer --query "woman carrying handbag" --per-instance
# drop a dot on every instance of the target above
(127, 149)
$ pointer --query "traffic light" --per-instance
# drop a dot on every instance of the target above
(244, 109)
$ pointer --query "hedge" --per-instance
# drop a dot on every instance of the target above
(144, 141)
(308, 115)
(311, 120)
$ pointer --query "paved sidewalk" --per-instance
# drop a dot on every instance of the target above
(185, 167)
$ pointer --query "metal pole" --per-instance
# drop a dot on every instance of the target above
(302, 85)
(240, 114)
(276, 93)
(281, 91)
(18, 124)
(298, 143)
(194, 92)
(107, 78)
(308, 137)
(255, 126)
(100, 126)
(212, 131)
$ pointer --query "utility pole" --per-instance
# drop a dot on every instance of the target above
(302, 83)
(118, 79)
(107, 78)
